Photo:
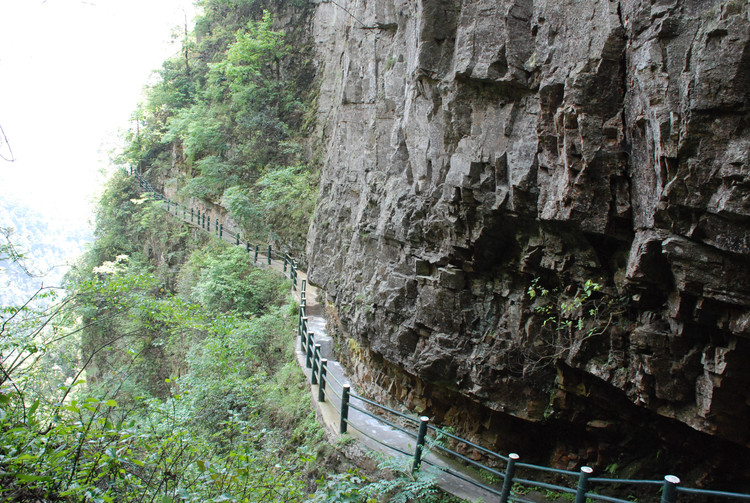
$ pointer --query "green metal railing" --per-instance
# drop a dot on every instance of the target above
(429, 437)
(203, 220)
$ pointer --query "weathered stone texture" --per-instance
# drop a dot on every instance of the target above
(474, 145)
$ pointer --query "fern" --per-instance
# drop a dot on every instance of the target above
(405, 486)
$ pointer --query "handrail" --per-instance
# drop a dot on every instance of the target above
(708, 492)
(468, 460)
(331, 390)
(468, 442)
(458, 475)
(334, 378)
(622, 481)
(382, 420)
(349, 422)
(545, 485)
(388, 409)
(670, 485)
(547, 469)
(602, 497)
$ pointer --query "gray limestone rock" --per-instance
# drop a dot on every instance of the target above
(474, 145)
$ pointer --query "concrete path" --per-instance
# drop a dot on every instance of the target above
(328, 411)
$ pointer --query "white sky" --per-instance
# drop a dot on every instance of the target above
(71, 73)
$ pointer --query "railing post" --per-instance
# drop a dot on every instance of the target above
(510, 472)
(308, 348)
(316, 355)
(322, 380)
(344, 408)
(221, 230)
(420, 443)
(208, 226)
(269, 254)
(303, 334)
(669, 491)
(255, 259)
(303, 286)
(583, 484)
(247, 246)
(285, 261)
(238, 238)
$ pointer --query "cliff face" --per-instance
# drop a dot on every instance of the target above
(473, 146)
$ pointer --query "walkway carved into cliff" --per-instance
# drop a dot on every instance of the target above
(380, 428)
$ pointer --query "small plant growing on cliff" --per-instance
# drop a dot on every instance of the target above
(562, 315)
(567, 321)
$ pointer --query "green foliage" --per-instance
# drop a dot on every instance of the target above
(342, 488)
(405, 485)
(201, 133)
(247, 212)
(228, 281)
(566, 314)
(569, 318)
(254, 58)
(399, 484)
(90, 408)
(234, 426)
(166, 374)
(287, 196)
(231, 108)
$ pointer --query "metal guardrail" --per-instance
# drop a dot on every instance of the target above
(202, 220)
(669, 487)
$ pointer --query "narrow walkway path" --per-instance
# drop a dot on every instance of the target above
(329, 410)
(380, 434)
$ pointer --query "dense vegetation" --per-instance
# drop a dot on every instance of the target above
(166, 374)
(226, 119)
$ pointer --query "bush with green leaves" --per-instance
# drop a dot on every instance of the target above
(569, 317)
(124, 389)
(225, 121)
(396, 483)
(212, 434)
(223, 278)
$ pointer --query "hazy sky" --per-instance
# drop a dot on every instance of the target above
(71, 73)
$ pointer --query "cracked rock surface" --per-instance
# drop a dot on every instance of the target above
(472, 146)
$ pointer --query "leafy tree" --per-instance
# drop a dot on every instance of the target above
(228, 281)
(228, 115)
(129, 431)
(287, 197)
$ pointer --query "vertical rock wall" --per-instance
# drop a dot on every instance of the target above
(475, 145)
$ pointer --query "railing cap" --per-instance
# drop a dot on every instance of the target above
(587, 469)
(514, 456)
(672, 479)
